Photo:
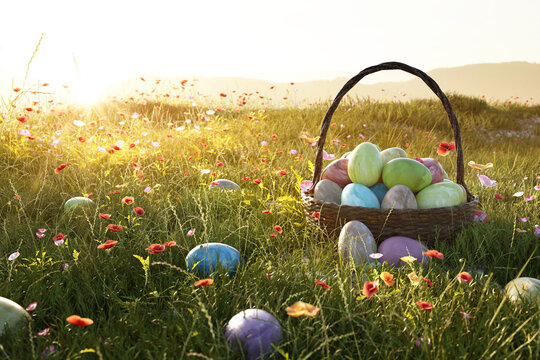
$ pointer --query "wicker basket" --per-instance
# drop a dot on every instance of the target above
(423, 224)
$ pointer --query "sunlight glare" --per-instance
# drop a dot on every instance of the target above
(87, 93)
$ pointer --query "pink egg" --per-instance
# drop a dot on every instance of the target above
(396, 247)
(435, 168)
(337, 172)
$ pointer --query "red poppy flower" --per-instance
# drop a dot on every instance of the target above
(245, 178)
(128, 200)
(104, 216)
(257, 181)
(424, 305)
(278, 229)
(444, 148)
(370, 288)
(316, 215)
(282, 172)
(139, 211)
(114, 228)
(79, 321)
(169, 243)
(465, 277)
(16, 89)
(434, 254)
(428, 282)
(28, 109)
(223, 95)
(60, 236)
(273, 235)
(61, 167)
(156, 248)
(107, 244)
(499, 196)
(81, 139)
(322, 283)
(204, 282)
(22, 119)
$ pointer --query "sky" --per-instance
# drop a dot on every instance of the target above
(90, 45)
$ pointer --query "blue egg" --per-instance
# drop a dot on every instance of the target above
(207, 258)
(359, 195)
(380, 190)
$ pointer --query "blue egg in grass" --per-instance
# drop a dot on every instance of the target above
(207, 258)
(379, 190)
(359, 195)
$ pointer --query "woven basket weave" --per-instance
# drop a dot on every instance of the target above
(423, 224)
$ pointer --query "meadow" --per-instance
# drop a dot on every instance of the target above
(161, 151)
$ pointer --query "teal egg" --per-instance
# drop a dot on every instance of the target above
(79, 202)
(359, 195)
(12, 315)
(379, 190)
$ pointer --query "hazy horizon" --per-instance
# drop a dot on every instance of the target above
(96, 45)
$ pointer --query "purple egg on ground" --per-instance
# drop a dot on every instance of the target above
(255, 331)
(396, 247)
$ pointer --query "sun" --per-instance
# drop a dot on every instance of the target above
(87, 93)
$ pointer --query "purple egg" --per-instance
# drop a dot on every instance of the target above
(396, 247)
(255, 331)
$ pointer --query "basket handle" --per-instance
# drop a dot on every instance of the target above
(429, 82)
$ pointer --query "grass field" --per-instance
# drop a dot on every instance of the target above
(164, 152)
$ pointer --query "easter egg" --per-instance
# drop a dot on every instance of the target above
(441, 194)
(445, 174)
(79, 202)
(207, 258)
(359, 195)
(408, 172)
(379, 189)
(254, 331)
(337, 172)
(399, 197)
(356, 242)
(223, 184)
(328, 191)
(12, 316)
(523, 290)
(435, 168)
(365, 164)
(396, 247)
(392, 153)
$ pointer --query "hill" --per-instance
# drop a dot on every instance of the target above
(497, 82)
